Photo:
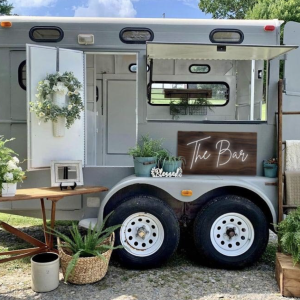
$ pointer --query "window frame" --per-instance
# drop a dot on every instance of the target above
(46, 28)
(211, 38)
(136, 29)
(199, 65)
(20, 78)
(149, 89)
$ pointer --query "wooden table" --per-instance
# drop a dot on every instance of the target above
(53, 194)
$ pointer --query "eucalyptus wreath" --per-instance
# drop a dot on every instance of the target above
(46, 109)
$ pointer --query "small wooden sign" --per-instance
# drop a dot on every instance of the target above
(218, 153)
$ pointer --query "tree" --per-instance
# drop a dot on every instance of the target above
(286, 10)
(226, 9)
(5, 7)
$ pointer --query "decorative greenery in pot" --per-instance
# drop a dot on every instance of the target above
(270, 167)
(84, 259)
(52, 104)
(172, 163)
(289, 235)
(145, 155)
(10, 171)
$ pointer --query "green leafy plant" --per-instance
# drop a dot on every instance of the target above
(289, 235)
(147, 147)
(10, 171)
(169, 158)
(89, 245)
(45, 109)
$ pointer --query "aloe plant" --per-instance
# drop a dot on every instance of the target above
(86, 246)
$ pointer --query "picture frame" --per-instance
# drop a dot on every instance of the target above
(66, 173)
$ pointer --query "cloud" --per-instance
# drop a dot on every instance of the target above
(106, 8)
(31, 3)
(191, 3)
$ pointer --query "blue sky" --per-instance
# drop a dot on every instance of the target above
(110, 8)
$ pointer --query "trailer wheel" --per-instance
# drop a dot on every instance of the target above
(230, 232)
(149, 232)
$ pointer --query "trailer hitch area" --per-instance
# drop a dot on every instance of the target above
(142, 232)
(230, 232)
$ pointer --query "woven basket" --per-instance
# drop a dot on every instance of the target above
(87, 269)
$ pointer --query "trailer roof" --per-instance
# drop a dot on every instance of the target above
(136, 21)
(157, 50)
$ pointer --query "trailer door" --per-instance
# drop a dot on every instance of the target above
(43, 147)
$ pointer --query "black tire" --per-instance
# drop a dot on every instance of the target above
(217, 208)
(167, 217)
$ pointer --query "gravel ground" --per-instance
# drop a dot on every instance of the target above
(182, 278)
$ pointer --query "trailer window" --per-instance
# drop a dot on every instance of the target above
(204, 69)
(136, 35)
(228, 36)
(214, 93)
(43, 34)
(22, 75)
(133, 68)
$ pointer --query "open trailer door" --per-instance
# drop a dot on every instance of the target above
(43, 146)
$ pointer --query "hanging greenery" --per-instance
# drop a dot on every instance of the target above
(46, 109)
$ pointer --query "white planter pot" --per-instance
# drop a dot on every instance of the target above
(45, 272)
(59, 99)
(9, 189)
(59, 127)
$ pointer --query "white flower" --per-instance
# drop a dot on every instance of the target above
(11, 165)
(38, 96)
(20, 169)
(46, 82)
(76, 92)
(70, 106)
(41, 114)
(8, 177)
(15, 160)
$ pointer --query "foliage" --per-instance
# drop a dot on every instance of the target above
(5, 7)
(10, 172)
(272, 161)
(226, 9)
(286, 10)
(289, 235)
(147, 147)
(92, 244)
(46, 109)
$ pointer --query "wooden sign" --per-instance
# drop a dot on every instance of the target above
(218, 153)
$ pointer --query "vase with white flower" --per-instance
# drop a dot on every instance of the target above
(10, 171)
(59, 100)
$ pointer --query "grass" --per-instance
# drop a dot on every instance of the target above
(9, 242)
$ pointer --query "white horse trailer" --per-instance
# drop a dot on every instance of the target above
(131, 69)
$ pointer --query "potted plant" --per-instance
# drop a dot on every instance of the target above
(10, 171)
(199, 107)
(145, 155)
(84, 259)
(179, 108)
(270, 167)
(289, 235)
(59, 100)
(170, 163)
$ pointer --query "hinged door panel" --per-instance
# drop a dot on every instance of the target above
(43, 147)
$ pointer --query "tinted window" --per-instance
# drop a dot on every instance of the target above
(133, 68)
(230, 36)
(199, 68)
(46, 34)
(22, 75)
(163, 93)
(136, 35)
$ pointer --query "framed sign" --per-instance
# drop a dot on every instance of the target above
(218, 153)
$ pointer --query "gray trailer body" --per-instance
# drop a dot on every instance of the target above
(118, 112)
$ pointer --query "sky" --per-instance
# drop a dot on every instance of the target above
(110, 8)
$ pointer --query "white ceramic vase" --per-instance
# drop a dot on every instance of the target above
(45, 272)
(59, 98)
(9, 189)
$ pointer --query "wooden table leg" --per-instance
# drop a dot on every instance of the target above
(53, 209)
(44, 222)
